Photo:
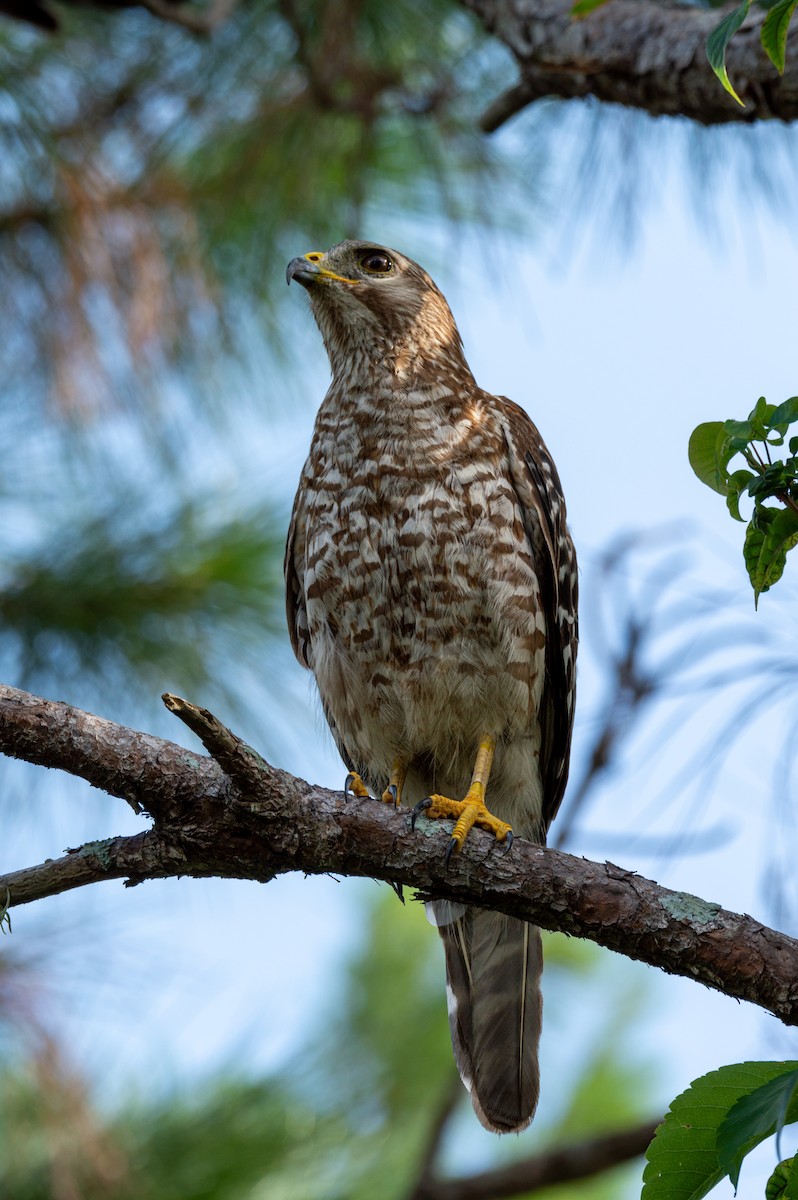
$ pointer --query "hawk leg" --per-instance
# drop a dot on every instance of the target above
(354, 785)
(471, 810)
(393, 792)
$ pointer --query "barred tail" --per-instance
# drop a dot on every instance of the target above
(493, 968)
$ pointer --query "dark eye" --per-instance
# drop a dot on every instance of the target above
(376, 261)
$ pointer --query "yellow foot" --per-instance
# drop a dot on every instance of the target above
(393, 792)
(471, 810)
(354, 786)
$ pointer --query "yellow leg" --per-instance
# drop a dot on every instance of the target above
(471, 810)
(393, 792)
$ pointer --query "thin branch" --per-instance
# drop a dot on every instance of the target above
(561, 1164)
(142, 856)
(639, 53)
(425, 1177)
(259, 821)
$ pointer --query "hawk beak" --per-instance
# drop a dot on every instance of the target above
(307, 270)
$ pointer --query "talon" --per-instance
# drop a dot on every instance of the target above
(419, 808)
(355, 787)
(508, 841)
(393, 792)
(471, 810)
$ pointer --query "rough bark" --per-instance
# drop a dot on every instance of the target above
(234, 815)
(638, 53)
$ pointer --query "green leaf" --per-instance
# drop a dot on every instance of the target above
(755, 1117)
(770, 534)
(760, 413)
(706, 452)
(582, 7)
(774, 32)
(783, 1182)
(719, 39)
(787, 412)
(773, 480)
(682, 1160)
(738, 482)
(740, 433)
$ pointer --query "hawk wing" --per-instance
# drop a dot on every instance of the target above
(537, 486)
(295, 611)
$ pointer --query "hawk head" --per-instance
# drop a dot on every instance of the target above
(379, 313)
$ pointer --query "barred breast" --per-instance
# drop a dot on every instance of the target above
(423, 616)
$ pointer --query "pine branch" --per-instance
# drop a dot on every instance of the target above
(233, 815)
(639, 53)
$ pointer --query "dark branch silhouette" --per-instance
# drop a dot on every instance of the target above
(561, 1164)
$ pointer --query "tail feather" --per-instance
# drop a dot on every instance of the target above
(493, 968)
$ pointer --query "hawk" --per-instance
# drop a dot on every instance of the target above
(431, 589)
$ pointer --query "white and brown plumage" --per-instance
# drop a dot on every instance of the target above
(431, 588)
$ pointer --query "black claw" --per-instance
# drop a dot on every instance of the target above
(350, 779)
(397, 887)
(508, 841)
(394, 791)
(419, 808)
(450, 850)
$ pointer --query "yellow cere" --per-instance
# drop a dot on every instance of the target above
(315, 257)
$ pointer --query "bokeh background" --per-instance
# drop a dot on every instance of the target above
(622, 278)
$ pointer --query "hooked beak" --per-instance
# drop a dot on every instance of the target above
(307, 270)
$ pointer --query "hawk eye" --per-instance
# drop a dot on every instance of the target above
(377, 262)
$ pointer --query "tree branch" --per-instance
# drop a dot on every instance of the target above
(246, 819)
(561, 1164)
(639, 53)
(136, 858)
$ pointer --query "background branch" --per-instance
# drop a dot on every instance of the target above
(561, 1164)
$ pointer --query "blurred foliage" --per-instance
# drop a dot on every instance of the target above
(104, 592)
(349, 1118)
(152, 183)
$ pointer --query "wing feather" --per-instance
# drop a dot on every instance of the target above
(539, 492)
(295, 611)
(297, 617)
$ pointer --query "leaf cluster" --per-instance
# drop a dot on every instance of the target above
(151, 191)
(772, 531)
(773, 36)
(711, 1127)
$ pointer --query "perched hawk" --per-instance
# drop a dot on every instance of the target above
(431, 589)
